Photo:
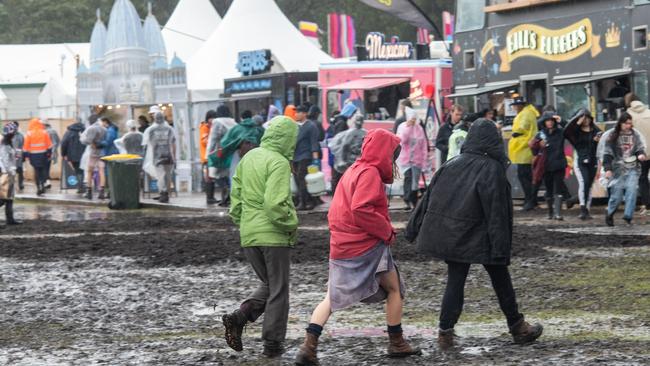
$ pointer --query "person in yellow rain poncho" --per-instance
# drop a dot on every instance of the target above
(524, 128)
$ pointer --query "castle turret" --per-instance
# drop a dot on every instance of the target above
(153, 39)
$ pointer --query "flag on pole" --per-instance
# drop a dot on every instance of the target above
(448, 24)
(423, 36)
(310, 30)
(342, 35)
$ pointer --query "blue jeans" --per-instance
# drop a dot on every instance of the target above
(627, 183)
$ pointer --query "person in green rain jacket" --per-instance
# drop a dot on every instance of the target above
(246, 128)
(262, 207)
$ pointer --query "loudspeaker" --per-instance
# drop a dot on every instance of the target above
(362, 54)
(422, 52)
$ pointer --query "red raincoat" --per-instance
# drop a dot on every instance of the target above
(358, 216)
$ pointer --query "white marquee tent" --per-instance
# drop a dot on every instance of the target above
(189, 26)
(249, 25)
(55, 101)
(4, 102)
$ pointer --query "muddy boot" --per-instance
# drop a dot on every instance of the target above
(9, 213)
(273, 349)
(557, 208)
(102, 194)
(307, 353)
(234, 324)
(446, 339)
(225, 197)
(524, 333)
(397, 346)
(609, 219)
(549, 204)
(164, 197)
(209, 194)
(89, 193)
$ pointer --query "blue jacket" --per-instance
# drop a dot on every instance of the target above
(107, 145)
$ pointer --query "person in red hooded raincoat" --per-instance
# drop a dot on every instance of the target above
(361, 266)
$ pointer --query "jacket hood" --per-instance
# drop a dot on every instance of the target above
(483, 139)
(281, 136)
(377, 150)
(638, 107)
(248, 122)
(76, 127)
(35, 125)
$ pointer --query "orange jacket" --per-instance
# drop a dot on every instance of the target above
(37, 140)
(204, 133)
(290, 111)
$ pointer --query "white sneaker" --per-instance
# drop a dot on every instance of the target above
(644, 212)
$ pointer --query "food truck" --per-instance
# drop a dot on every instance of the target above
(568, 53)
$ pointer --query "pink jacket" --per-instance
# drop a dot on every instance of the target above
(414, 146)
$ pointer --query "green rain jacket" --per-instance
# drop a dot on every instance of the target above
(261, 202)
(247, 130)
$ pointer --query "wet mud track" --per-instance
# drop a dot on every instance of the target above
(150, 289)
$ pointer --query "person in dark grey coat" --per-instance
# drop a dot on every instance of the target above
(72, 150)
(466, 218)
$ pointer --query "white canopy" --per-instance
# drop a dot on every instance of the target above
(250, 25)
(38, 63)
(189, 26)
(55, 101)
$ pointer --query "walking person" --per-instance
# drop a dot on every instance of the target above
(231, 142)
(624, 152)
(204, 136)
(549, 141)
(524, 128)
(401, 118)
(484, 234)
(92, 137)
(442, 140)
(361, 266)
(56, 142)
(131, 142)
(306, 154)
(72, 151)
(18, 142)
(263, 209)
(413, 156)
(38, 150)
(641, 118)
(8, 173)
(584, 135)
(218, 164)
(347, 145)
(160, 155)
(338, 124)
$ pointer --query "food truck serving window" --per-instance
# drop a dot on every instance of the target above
(469, 15)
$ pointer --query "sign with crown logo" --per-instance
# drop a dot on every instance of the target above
(558, 45)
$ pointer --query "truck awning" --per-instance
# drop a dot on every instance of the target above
(368, 83)
(484, 89)
(589, 77)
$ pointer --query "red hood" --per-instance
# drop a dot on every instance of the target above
(377, 150)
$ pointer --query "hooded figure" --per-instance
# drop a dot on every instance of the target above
(18, 142)
(38, 149)
(524, 128)
(92, 137)
(131, 142)
(549, 143)
(346, 146)
(263, 209)
(218, 163)
(413, 157)
(160, 143)
(72, 150)
(466, 218)
(235, 136)
(8, 172)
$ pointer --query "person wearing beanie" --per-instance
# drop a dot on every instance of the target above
(361, 265)
(8, 173)
(263, 209)
(160, 156)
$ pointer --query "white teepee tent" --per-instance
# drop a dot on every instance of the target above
(190, 25)
(249, 25)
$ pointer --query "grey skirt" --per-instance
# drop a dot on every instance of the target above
(356, 279)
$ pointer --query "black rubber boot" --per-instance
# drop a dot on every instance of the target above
(549, 203)
(9, 213)
(209, 193)
(557, 208)
(164, 197)
(89, 193)
(584, 213)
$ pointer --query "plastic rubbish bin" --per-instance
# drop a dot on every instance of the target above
(124, 181)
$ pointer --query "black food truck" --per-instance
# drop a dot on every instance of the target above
(568, 53)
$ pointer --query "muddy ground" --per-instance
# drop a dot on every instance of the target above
(150, 288)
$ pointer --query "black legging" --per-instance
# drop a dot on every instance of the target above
(644, 185)
(585, 174)
(525, 176)
(452, 302)
(554, 181)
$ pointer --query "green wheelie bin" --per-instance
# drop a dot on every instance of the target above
(124, 181)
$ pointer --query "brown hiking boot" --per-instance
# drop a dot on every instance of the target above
(307, 354)
(234, 324)
(446, 339)
(397, 346)
(524, 333)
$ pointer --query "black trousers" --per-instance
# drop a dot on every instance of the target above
(410, 196)
(300, 171)
(454, 297)
(586, 175)
(40, 174)
(271, 298)
(21, 177)
(525, 176)
(554, 182)
(336, 177)
(644, 185)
